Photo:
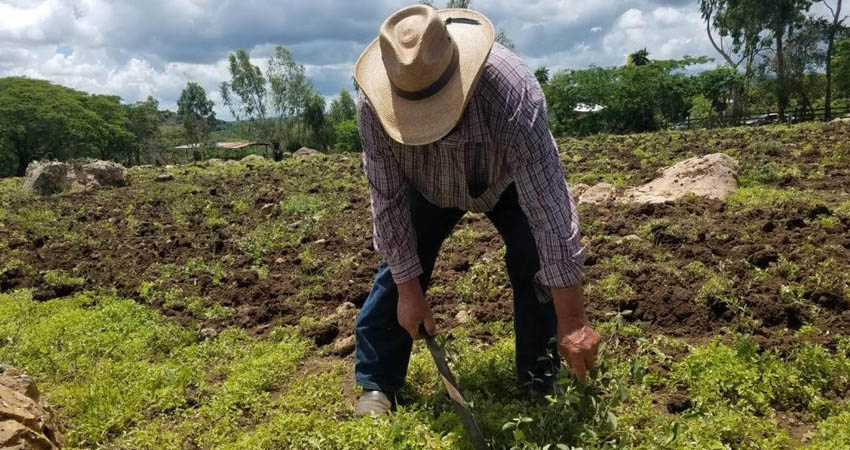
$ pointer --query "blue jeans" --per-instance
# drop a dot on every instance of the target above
(383, 346)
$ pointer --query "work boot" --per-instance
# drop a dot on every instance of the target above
(372, 403)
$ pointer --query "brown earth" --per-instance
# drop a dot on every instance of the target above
(130, 234)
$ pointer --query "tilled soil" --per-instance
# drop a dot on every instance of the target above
(132, 241)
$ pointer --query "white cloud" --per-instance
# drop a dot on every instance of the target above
(136, 48)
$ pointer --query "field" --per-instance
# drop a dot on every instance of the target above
(202, 312)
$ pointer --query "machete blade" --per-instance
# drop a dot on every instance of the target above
(461, 406)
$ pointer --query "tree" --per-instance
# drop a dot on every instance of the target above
(780, 17)
(245, 94)
(638, 58)
(144, 124)
(342, 108)
(834, 27)
(502, 38)
(196, 111)
(314, 119)
(39, 120)
(542, 75)
(719, 86)
(841, 67)
(347, 136)
(465, 4)
(621, 99)
(804, 57)
(289, 86)
(112, 139)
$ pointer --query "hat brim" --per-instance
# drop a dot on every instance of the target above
(420, 122)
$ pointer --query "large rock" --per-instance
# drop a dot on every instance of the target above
(712, 176)
(599, 193)
(47, 178)
(304, 151)
(106, 173)
(26, 422)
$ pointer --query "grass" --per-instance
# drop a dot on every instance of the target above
(122, 375)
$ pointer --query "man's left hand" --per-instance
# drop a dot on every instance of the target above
(578, 344)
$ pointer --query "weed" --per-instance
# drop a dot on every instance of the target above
(485, 280)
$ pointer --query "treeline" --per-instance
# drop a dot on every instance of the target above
(276, 105)
(776, 56)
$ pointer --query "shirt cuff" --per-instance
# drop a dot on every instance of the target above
(405, 270)
(565, 274)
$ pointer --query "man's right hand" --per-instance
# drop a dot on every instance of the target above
(413, 309)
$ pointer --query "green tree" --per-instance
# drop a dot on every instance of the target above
(245, 93)
(314, 119)
(542, 75)
(832, 32)
(347, 136)
(719, 87)
(841, 67)
(112, 139)
(145, 125)
(342, 108)
(196, 111)
(638, 58)
(39, 120)
(628, 98)
(289, 86)
(780, 18)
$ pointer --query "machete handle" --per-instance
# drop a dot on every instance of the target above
(423, 332)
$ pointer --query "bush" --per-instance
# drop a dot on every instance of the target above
(347, 136)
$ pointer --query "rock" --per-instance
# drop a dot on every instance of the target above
(279, 261)
(346, 308)
(599, 193)
(841, 119)
(250, 158)
(463, 317)
(286, 155)
(344, 346)
(712, 176)
(140, 168)
(169, 166)
(47, 178)
(209, 333)
(106, 173)
(165, 177)
(304, 151)
(578, 189)
(628, 238)
(26, 422)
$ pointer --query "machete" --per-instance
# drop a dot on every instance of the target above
(460, 404)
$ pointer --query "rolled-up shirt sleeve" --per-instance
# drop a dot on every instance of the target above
(393, 231)
(543, 192)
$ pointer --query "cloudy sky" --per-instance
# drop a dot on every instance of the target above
(136, 48)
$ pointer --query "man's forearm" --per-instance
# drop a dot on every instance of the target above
(569, 305)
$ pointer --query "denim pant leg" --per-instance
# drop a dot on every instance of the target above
(382, 349)
(535, 323)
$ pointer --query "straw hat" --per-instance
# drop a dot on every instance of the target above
(422, 69)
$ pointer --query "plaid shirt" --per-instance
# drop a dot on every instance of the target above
(503, 138)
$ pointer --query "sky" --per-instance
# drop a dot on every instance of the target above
(136, 48)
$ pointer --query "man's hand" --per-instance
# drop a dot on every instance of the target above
(578, 342)
(413, 309)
